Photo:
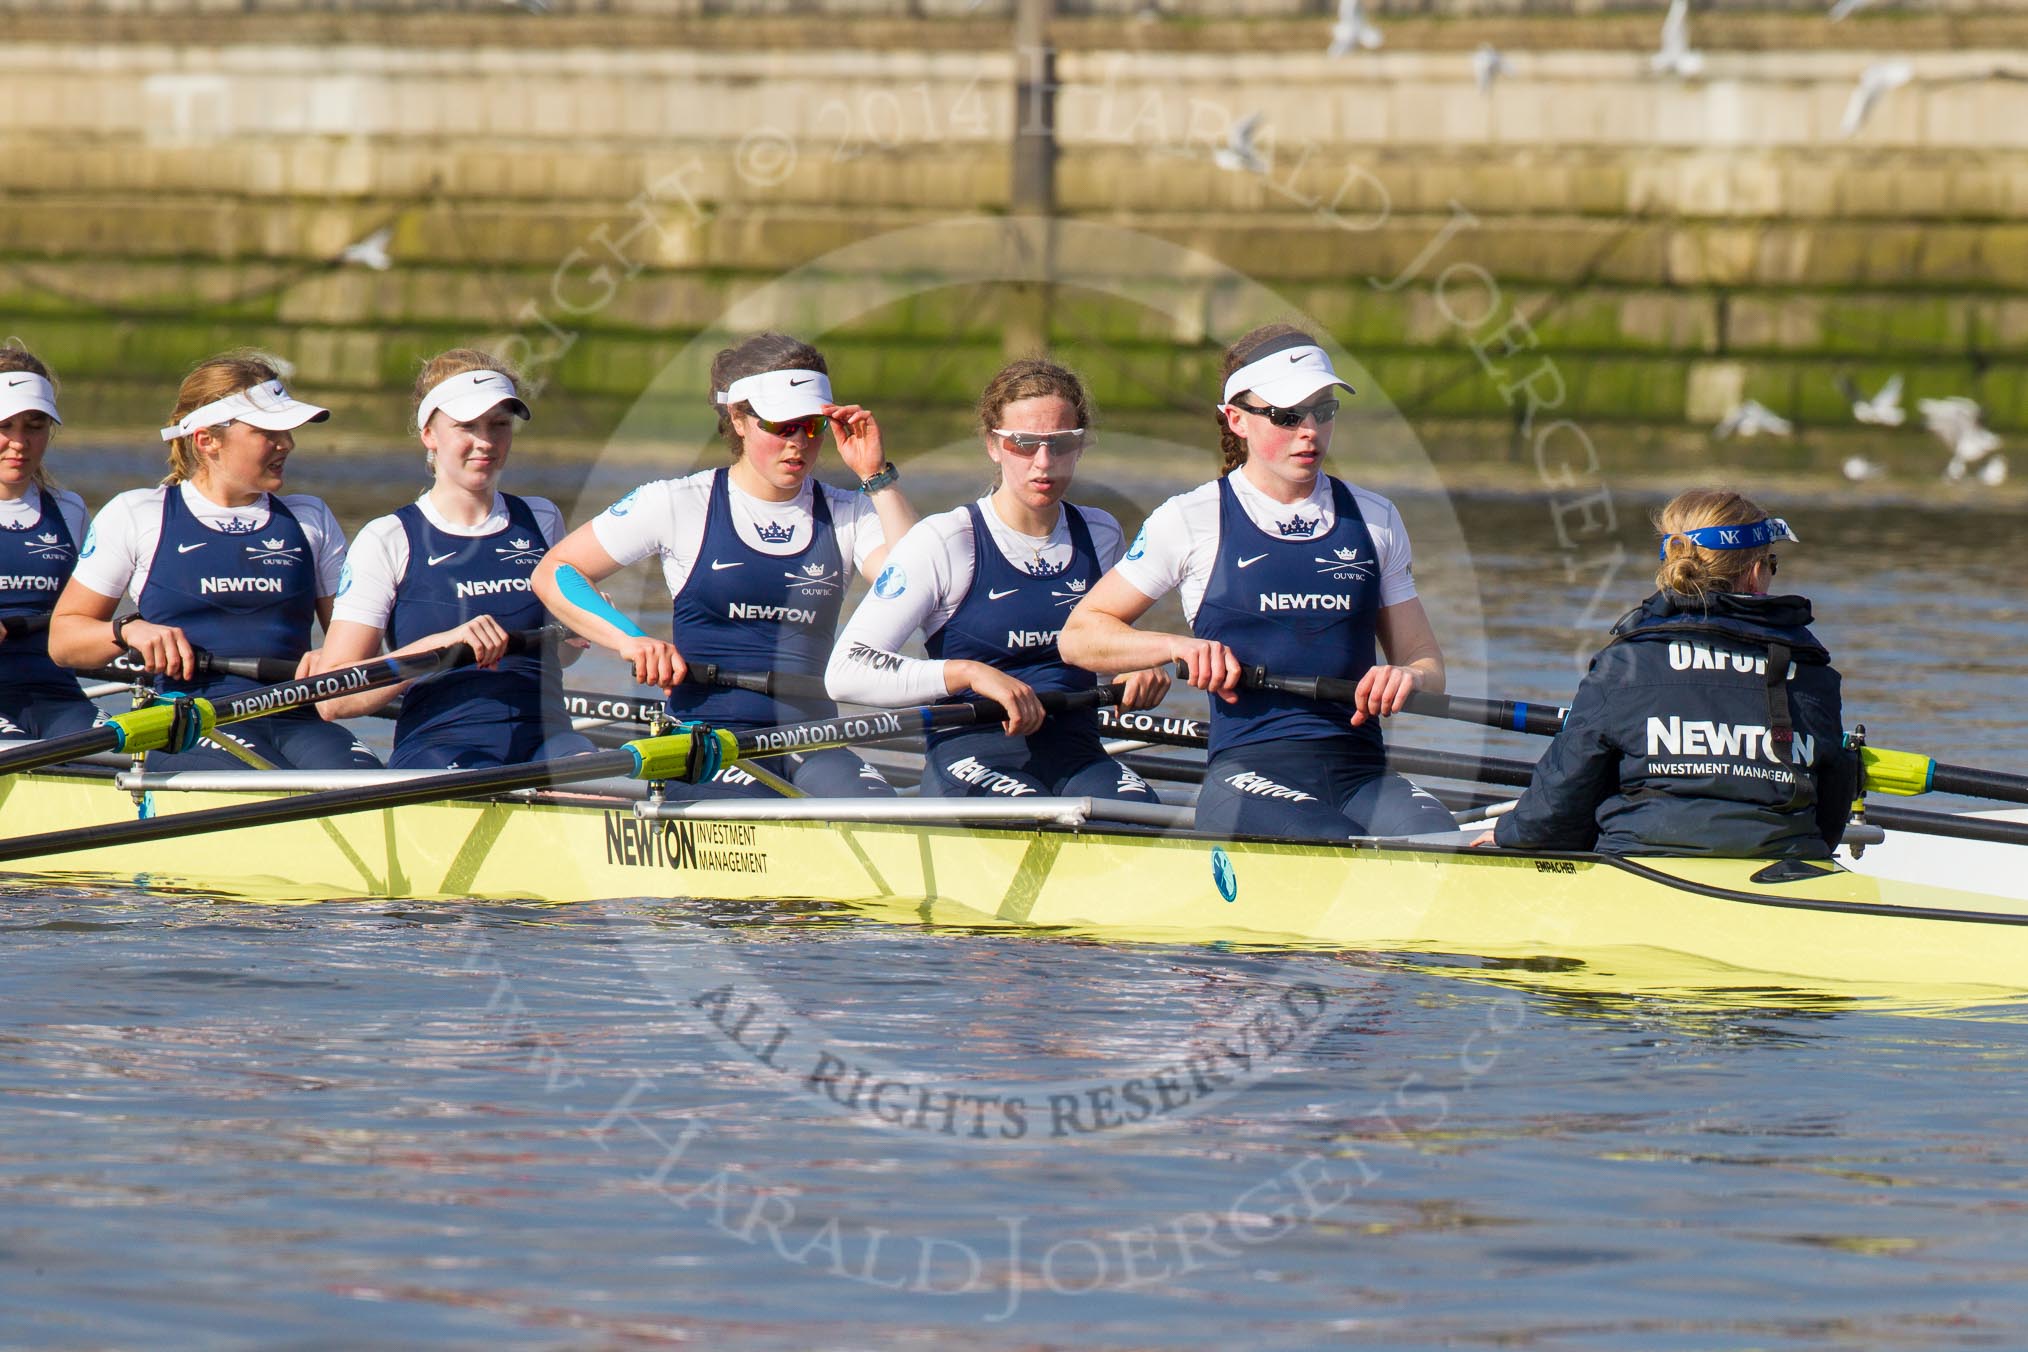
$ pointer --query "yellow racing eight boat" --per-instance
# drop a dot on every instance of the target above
(1125, 872)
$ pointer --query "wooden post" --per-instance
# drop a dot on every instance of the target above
(1032, 199)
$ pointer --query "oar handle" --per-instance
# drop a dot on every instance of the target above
(18, 625)
(267, 670)
(273, 670)
(1544, 720)
(774, 684)
(1053, 702)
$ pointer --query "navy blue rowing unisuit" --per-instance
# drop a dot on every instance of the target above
(251, 594)
(37, 697)
(748, 611)
(470, 718)
(1010, 619)
(1301, 607)
(1280, 764)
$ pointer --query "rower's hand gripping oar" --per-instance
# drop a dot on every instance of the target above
(690, 756)
(1883, 769)
(267, 670)
(176, 723)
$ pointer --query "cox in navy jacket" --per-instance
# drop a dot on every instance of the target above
(1674, 743)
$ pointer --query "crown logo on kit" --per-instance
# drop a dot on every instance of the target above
(518, 544)
(773, 534)
(271, 544)
(1346, 554)
(1298, 527)
(1078, 584)
(813, 570)
(46, 539)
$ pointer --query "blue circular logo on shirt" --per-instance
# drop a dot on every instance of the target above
(1140, 544)
(891, 583)
(624, 505)
(91, 543)
(1224, 874)
(345, 578)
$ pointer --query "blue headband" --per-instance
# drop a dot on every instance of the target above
(1753, 536)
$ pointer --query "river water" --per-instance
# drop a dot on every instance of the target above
(452, 1125)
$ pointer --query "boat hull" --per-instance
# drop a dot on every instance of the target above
(1690, 924)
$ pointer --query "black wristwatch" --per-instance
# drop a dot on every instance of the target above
(120, 626)
(886, 475)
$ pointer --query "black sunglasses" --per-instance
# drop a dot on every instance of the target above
(1323, 411)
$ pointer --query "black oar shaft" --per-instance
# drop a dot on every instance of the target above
(330, 803)
(267, 670)
(1948, 824)
(1976, 783)
(1543, 720)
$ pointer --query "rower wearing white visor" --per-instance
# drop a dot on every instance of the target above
(754, 554)
(989, 584)
(40, 527)
(217, 559)
(454, 567)
(1283, 566)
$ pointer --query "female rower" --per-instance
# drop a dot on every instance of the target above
(1713, 721)
(990, 583)
(754, 555)
(40, 525)
(217, 558)
(1283, 566)
(453, 567)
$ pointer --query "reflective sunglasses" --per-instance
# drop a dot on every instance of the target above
(1323, 411)
(1028, 443)
(811, 426)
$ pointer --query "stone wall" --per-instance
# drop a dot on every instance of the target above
(1671, 244)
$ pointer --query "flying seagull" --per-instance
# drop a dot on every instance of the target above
(1352, 30)
(371, 252)
(1882, 410)
(1487, 66)
(1238, 154)
(1675, 57)
(1959, 423)
(1751, 419)
(1874, 84)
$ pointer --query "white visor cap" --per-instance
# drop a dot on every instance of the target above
(26, 392)
(468, 394)
(267, 406)
(1285, 377)
(780, 396)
